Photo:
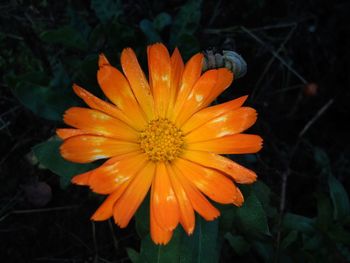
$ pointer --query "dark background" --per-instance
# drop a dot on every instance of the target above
(298, 80)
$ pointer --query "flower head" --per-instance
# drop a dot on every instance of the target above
(161, 135)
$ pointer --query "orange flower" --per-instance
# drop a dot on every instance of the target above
(161, 134)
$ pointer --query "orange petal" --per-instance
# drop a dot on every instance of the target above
(103, 61)
(88, 148)
(159, 76)
(205, 115)
(105, 210)
(239, 173)
(191, 74)
(158, 234)
(138, 81)
(231, 144)
(164, 202)
(84, 178)
(117, 89)
(198, 95)
(187, 218)
(198, 200)
(99, 123)
(211, 182)
(225, 78)
(65, 133)
(101, 105)
(107, 178)
(230, 123)
(131, 199)
(204, 91)
(81, 179)
(177, 68)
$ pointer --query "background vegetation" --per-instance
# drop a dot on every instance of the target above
(298, 80)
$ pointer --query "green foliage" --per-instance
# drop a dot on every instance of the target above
(133, 255)
(340, 199)
(238, 243)
(149, 30)
(66, 36)
(297, 222)
(49, 156)
(202, 246)
(184, 27)
(252, 217)
(170, 253)
(37, 93)
(107, 10)
(153, 29)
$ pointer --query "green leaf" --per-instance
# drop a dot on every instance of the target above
(78, 22)
(339, 234)
(85, 75)
(238, 243)
(142, 218)
(133, 255)
(289, 239)
(107, 10)
(324, 212)
(185, 25)
(339, 198)
(313, 242)
(161, 21)
(186, 21)
(299, 223)
(44, 101)
(170, 253)
(264, 250)
(66, 36)
(148, 29)
(49, 156)
(322, 160)
(203, 245)
(227, 218)
(252, 217)
(263, 193)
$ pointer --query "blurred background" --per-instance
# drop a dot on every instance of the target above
(298, 80)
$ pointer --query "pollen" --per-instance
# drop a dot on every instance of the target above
(161, 140)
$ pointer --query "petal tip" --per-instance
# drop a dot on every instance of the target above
(102, 60)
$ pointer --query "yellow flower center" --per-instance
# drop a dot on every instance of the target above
(161, 140)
